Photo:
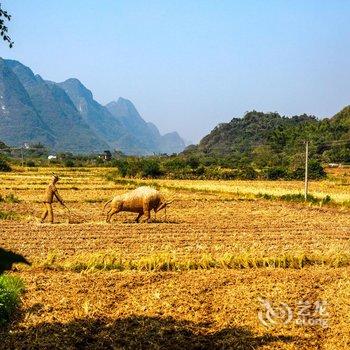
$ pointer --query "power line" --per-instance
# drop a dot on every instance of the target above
(330, 143)
(306, 170)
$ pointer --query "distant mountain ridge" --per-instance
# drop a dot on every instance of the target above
(146, 133)
(16, 108)
(65, 117)
(95, 115)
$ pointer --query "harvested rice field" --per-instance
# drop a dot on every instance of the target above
(230, 266)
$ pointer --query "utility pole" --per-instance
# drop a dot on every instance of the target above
(306, 169)
(22, 156)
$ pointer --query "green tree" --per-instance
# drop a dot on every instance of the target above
(4, 17)
(150, 168)
(4, 166)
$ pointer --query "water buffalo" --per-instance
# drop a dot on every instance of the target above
(141, 200)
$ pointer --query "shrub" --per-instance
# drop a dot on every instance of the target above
(122, 166)
(193, 162)
(174, 164)
(200, 170)
(4, 166)
(247, 173)
(30, 164)
(11, 289)
(298, 173)
(275, 173)
(138, 167)
(69, 163)
(316, 170)
(150, 168)
(326, 200)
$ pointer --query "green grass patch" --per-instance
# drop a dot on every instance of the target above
(298, 198)
(10, 198)
(8, 215)
(114, 176)
(266, 196)
(11, 288)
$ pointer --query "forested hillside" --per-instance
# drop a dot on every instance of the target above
(269, 139)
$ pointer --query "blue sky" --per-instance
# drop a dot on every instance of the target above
(188, 65)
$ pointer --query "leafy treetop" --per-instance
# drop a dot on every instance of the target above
(5, 16)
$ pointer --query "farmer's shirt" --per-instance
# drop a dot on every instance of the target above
(50, 193)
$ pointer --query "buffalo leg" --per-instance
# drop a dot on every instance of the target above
(138, 217)
(147, 212)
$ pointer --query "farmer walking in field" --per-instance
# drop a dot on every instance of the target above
(50, 194)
